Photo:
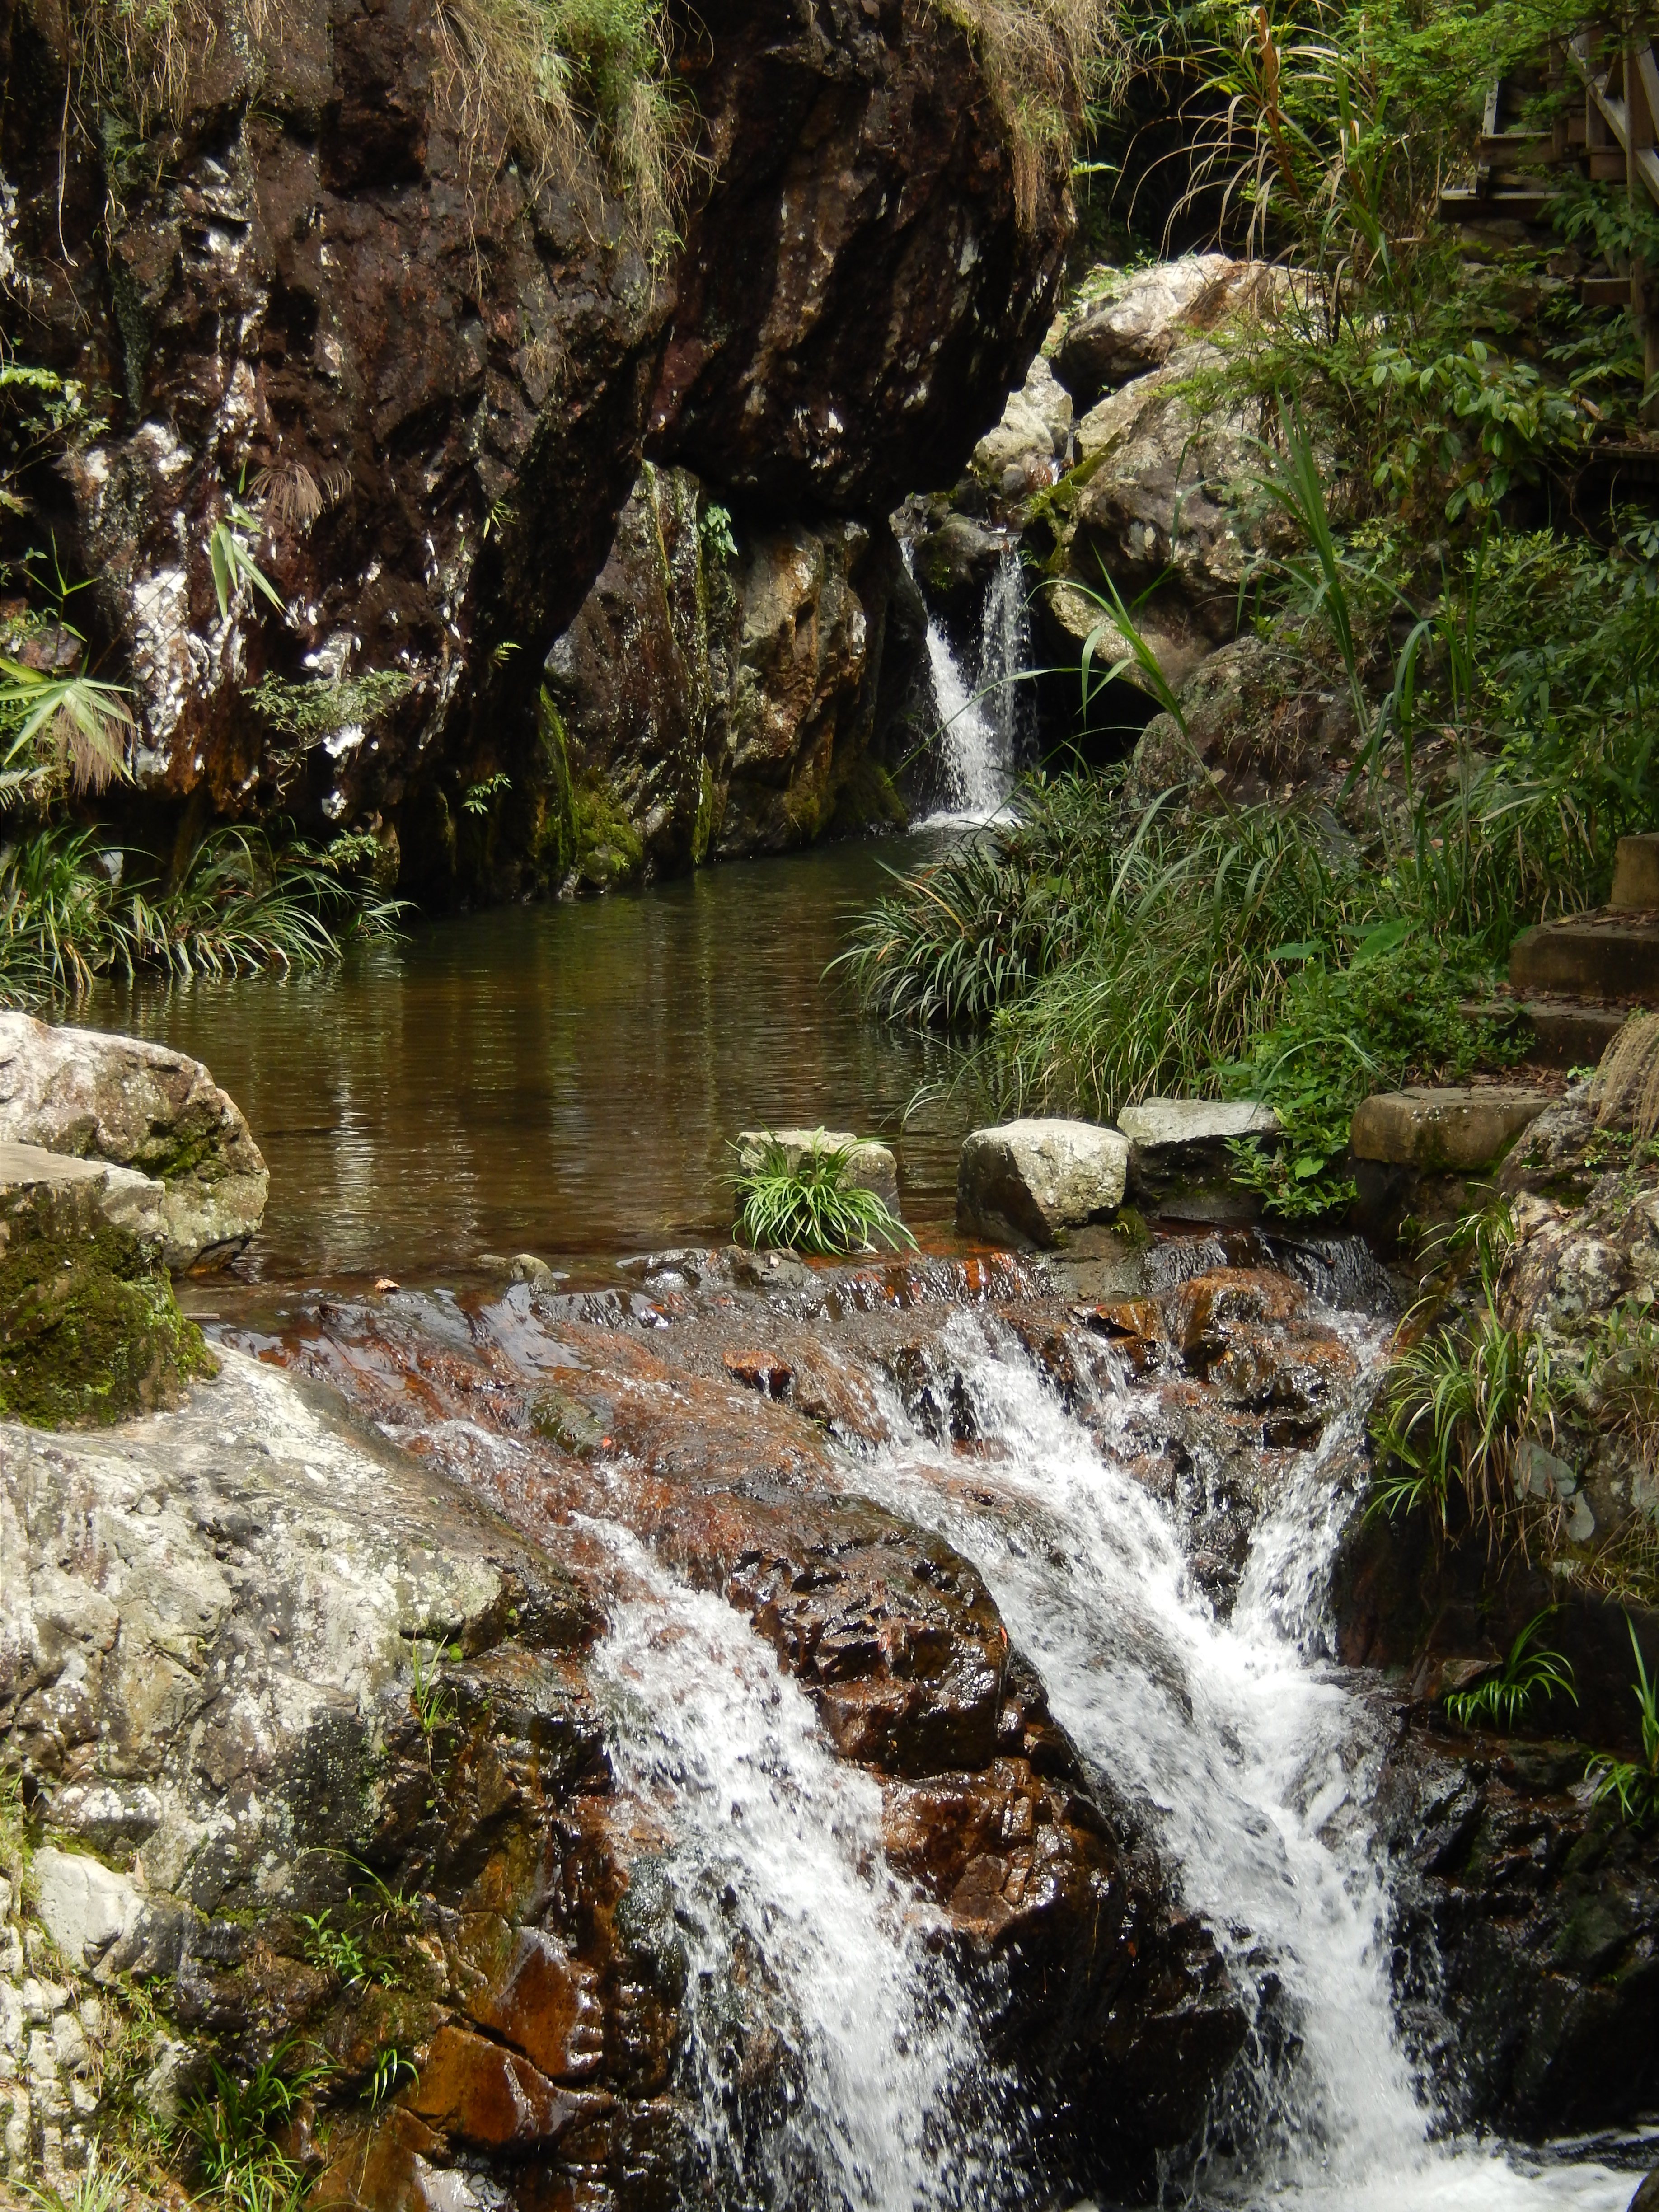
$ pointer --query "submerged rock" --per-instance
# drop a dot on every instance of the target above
(1036, 1179)
(142, 1107)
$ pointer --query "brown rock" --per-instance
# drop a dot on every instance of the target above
(531, 1992)
(759, 1370)
(473, 2088)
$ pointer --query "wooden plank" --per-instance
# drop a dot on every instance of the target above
(1518, 149)
(1477, 206)
(1604, 291)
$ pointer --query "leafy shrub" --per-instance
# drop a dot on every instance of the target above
(811, 1205)
(1388, 1016)
(1501, 1698)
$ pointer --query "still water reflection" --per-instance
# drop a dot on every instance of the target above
(561, 1079)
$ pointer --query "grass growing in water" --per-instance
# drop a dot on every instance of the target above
(72, 909)
(810, 1204)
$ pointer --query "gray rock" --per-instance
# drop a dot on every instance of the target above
(1036, 1179)
(85, 1907)
(1029, 445)
(1163, 503)
(230, 1635)
(1073, 615)
(139, 1106)
(1178, 1151)
(1174, 1125)
(34, 1181)
(1436, 1130)
(1137, 325)
(869, 1166)
(1646, 2198)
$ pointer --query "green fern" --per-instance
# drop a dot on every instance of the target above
(812, 1205)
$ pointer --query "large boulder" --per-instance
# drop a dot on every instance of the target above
(339, 272)
(1036, 1179)
(1133, 321)
(1162, 494)
(139, 1106)
(1030, 446)
(726, 688)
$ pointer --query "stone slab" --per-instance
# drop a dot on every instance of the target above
(1636, 873)
(871, 1166)
(1036, 1179)
(1437, 1131)
(1173, 1125)
(1608, 954)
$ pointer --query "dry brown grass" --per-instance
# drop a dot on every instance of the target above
(1043, 60)
(1626, 1085)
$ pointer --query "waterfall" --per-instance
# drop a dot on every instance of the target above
(1252, 1758)
(797, 1938)
(983, 720)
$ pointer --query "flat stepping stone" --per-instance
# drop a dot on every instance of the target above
(1610, 955)
(1444, 1131)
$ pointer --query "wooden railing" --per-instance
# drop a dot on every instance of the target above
(1614, 137)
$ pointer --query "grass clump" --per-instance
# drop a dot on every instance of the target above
(233, 2132)
(1501, 1699)
(808, 1202)
(73, 908)
(1455, 1408)
(1632, 1785)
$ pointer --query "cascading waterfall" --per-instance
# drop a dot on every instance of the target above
(983, 721)
(1254, 1760)
(794, 1931)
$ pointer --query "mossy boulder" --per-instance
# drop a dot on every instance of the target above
(90, 1333)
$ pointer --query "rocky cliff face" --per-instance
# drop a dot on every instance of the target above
(322, 274)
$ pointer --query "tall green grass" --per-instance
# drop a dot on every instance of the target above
(72, 909)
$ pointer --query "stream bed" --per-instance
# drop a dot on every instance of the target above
(566, 1080)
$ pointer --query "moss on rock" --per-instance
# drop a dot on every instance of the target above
(90, 1333)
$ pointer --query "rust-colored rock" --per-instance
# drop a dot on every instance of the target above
(472, 2088)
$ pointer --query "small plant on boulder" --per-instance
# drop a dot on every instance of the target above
(812, 1204)
(1634, 1788)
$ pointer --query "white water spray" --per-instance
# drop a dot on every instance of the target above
(983, 720)
(797, 1936)
(1254, 1760)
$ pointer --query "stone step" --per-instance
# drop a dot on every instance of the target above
(1554, 1031)
(1611, 956)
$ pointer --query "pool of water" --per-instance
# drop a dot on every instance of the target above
(562, 1080)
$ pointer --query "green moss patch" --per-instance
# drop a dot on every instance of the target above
(90, 1333)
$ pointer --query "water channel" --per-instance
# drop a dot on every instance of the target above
(566, 1079)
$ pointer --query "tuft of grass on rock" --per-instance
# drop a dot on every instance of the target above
(812, 1205)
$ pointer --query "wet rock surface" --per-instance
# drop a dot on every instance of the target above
(1527, 1924)
(332, 282)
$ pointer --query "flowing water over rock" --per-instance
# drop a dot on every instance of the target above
(794, 1928)
(985, 720)
(838, 2048)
